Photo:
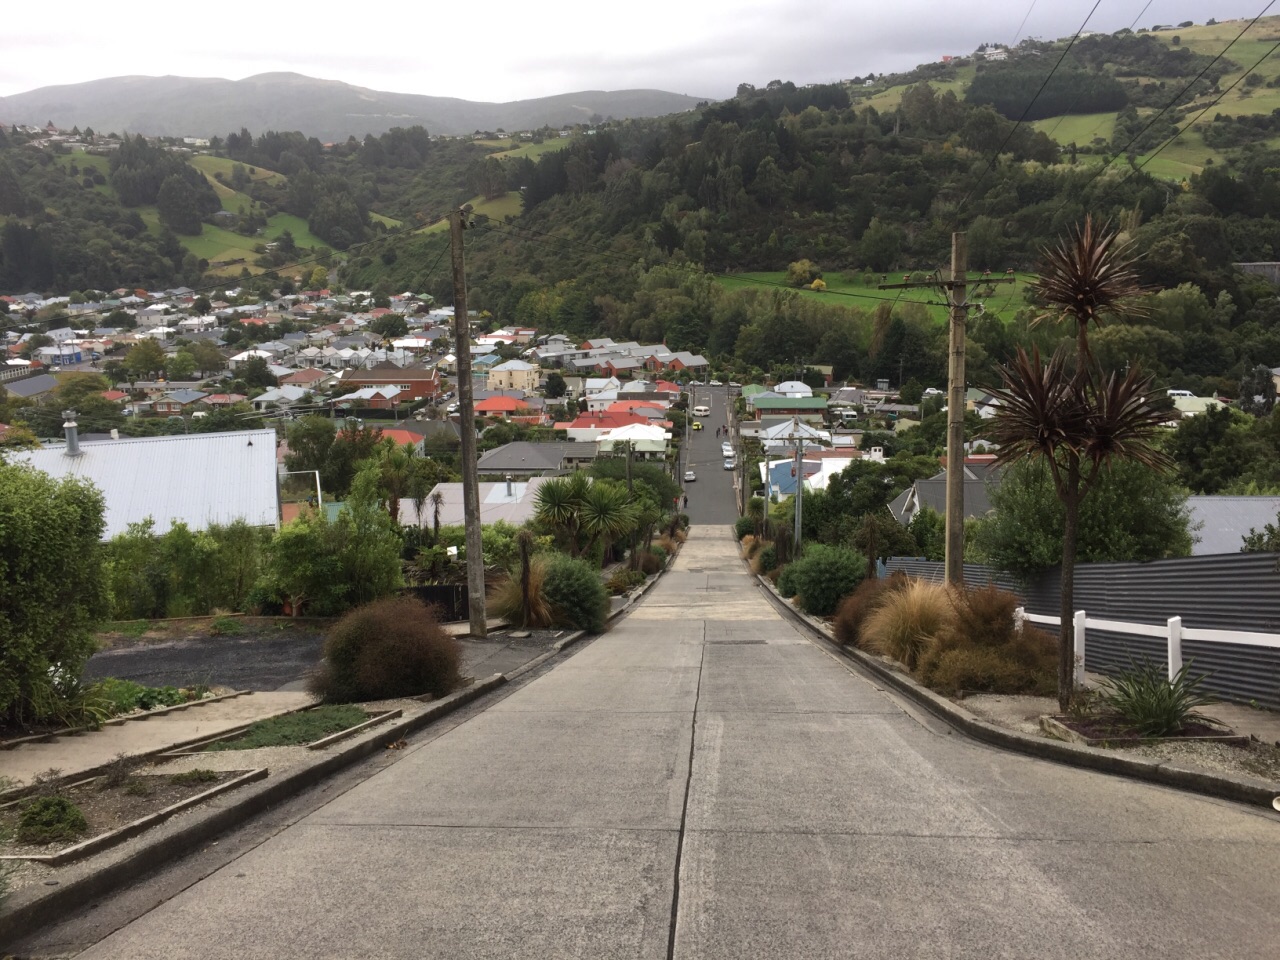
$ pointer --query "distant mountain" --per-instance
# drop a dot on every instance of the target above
(327, 109)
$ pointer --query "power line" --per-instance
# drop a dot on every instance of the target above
(1140, 13)
(1025, 17)
(1216, 101)
(996, 156)
(1178, 96)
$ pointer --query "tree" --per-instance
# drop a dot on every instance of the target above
(1078, 423)
(389, 326)
(145, 359)
(256, 373)
(208, 358)
(1132, 514)
(52, 588)
(801, 273)
(180, 366)
(556, 387)
(880, 245)
(310, 440)
(1266, 540)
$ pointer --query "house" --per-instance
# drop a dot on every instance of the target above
(220, 401)
(310, 378)
(524, 458)
(793, 388)
(374, 398)
(198, 479)
(514, 375)
(176, 402)
(768, 405)
(645, 442)
(246, 355)
(280, 398)
(413, 383)
(932, 493)
(511, 501)
(507, 408)
(60, 354)
(1220, 523)
(588, 427)
(403, 438)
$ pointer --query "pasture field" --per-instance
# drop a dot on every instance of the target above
(851, 290)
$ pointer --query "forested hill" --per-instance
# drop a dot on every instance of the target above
(326, 109)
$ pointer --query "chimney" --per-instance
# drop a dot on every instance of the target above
(510, 493)
(73, 435)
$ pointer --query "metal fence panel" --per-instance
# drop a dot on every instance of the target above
(449, 599)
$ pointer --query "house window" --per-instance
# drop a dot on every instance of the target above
(405, 386)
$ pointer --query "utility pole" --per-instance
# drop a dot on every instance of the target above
(955, 290)
(467, 417)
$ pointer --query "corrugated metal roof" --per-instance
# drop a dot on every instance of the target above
(199, 479)
(1225, 521)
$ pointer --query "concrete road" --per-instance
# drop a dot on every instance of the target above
(711, 496)
(703, 782)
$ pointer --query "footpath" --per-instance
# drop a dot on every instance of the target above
(704, 781)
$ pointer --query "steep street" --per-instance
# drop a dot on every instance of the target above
(704, 782)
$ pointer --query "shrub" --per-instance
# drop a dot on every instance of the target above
(193, 777)
(623, 580)
(787, 581)
(386, 649)
(507, 600)
(825, 574)
(50, 819)
(743, 526)
(976, 668)
(854, 609)
(980, 648)
(576, 595)
(748, 546)
(653, 561)
(768, 558)
(905, 624)
(1153, 705)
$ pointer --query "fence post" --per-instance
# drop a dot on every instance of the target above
(1019, 619)
(1078, 623)
(1175, 646)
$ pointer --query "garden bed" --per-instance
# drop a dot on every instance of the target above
(114, 807)
(315, 728)
(1106, 730)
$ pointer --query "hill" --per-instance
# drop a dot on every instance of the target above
(326, 109)
(1110, 87)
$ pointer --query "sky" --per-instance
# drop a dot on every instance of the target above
(504, 50)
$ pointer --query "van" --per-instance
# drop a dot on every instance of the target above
(702, 411)
(1180, 393)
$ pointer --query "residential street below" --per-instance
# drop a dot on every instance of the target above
(705, 782)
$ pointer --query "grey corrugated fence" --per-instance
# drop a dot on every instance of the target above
(1223, 592)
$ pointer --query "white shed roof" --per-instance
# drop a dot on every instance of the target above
(199, 479)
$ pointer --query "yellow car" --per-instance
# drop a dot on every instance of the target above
(697, 424)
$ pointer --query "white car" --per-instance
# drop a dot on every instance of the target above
(452, 408)
(730, 464)
(716, 383)
(690, 476)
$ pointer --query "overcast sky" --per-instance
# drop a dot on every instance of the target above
(503, 50)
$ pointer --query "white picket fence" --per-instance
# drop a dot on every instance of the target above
(1173, 633)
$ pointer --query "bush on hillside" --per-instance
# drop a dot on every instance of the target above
(787, 581)
(981, 649)
(825, 574)
(854, 609)
(389, 648)
(575, 594)
(744, 526)
(507, 600)
(906, 623)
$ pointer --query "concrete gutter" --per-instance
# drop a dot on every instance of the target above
(34, 907)
(1238, 789)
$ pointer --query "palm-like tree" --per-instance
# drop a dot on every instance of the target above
(1081, 420)
(1088, 278)
(607, 512)
(558, 504)
(396, 469)
(437, 502)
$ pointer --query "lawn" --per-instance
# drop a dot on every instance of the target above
(211, 165)
(302, 234)
(88, 161)
(213, 244)
(1078, 128)
(891, 98)
(499, 208)
(531, 150)
(295, 728)
(849, 290)
(385, 221)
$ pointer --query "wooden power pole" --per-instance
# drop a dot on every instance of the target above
(958, 306)
(467, 428)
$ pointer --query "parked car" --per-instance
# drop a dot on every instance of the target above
(716, 383)
(690, 476)
(730, 463)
